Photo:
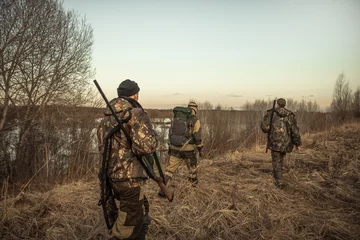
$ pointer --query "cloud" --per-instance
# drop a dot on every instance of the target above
(176, 94)
(234, 95)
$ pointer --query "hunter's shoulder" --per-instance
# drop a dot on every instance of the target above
(193, 118)
(268, 112)
(290, 113)
(140, 116)
(118, 105)
(284, 112)
(139, 111)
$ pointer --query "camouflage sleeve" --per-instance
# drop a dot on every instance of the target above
(294, 131)
(265, 123)
(143, 136)
(197, 133)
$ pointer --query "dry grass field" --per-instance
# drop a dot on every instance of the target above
(235, 199)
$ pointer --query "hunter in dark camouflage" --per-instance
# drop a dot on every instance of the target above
(284, 135)
(126, 173)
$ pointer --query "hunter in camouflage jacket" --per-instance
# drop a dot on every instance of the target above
(284, 133)
(123, 164)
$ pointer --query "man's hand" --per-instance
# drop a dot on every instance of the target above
(297, 148)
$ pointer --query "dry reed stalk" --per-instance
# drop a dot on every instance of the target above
(235, 199)
(24, 186)
(47, 163)
(5, 194)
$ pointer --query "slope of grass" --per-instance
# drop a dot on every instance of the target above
(235, 199)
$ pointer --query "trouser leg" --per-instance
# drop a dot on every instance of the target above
(132, 210)
(145, 228)
(174, 164)
(146, 222)
(277, 162)
(192, 166)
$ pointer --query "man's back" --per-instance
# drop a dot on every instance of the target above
(284, 133)
(123, 163)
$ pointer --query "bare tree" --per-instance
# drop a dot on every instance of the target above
(312, 106)
(356, 103)
(45, 55)
(218, 107)
(205, 105)
(341, 102)
(45, 60)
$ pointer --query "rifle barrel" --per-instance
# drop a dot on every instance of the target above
(271, 118)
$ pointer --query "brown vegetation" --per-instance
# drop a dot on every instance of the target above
(235, 199)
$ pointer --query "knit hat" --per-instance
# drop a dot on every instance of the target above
(281, 102)
(192, 104)
(127, 88)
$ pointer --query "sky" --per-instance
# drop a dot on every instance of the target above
(226, 52)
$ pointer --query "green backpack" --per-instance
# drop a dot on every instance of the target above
(180, 131)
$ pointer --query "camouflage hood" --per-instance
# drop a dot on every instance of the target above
(119, 105)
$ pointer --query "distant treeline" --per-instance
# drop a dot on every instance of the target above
(59, 143)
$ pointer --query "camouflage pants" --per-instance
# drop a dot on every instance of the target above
(277, 162)
(133, 219)
(179, 157)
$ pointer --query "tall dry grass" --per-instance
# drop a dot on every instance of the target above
(229, 130)
(235, 199)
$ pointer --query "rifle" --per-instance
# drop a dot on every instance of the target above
(169, 193)
(107, 199)
(271, 118)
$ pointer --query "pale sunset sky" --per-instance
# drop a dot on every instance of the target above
(224, 51)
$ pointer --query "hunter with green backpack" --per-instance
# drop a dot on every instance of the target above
(185, 139)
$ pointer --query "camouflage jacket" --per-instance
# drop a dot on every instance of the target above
(123, 164)
(196, 139)
(284, 130)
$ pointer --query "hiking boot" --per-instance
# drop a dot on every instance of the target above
(279, 180)
(280, 185)
(145, 227)
(161, 194)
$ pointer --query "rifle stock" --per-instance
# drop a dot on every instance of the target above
(169, 192)
(271, 118)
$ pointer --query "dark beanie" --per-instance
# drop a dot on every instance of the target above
(281, 102)
(127, 88)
